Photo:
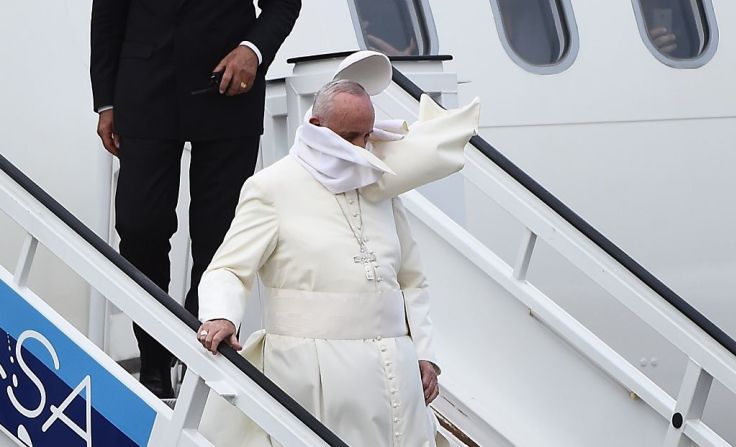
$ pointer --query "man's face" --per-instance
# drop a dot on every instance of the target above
(351, 117)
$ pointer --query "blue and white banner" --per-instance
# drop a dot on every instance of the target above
(54, 394)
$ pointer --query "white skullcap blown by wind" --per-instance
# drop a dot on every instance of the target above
(368, 68)
(432, 148)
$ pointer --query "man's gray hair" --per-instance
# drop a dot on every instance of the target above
(323, 98)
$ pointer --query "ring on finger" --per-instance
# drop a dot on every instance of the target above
(203, 334)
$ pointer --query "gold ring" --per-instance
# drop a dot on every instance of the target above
(243, 85)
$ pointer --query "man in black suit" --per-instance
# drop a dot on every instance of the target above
(147, 58)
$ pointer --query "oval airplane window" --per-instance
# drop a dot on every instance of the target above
(677, 31)
(394, 27)
(537, 33)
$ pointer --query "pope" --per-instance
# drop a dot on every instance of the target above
(348, 332)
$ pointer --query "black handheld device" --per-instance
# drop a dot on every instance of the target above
(213, 86)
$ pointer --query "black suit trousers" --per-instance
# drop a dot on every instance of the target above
(145, 207)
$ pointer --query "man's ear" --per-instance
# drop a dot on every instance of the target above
(314, 120)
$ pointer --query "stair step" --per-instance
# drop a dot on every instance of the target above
(170, 402)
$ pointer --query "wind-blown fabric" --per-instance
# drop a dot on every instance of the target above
(338, 164)
(433, 148)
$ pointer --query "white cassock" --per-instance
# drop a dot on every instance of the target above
(347, 314)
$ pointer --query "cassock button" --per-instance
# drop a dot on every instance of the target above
(350, 201)
(355, 214)
(395, 405)
(396, 420)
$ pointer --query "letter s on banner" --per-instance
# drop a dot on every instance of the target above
(33, 413)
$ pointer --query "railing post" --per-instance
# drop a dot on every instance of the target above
(690, 404)
(524, 256)
(25, 260)
(97, 322)
(97, 318)
(184, 426)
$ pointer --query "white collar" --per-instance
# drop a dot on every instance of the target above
(336, 163)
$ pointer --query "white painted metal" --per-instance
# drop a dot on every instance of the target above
(590, 259)
(27, 253)
(97, 322)
(512, 370)
(544, 309)
(187, 412)
(690, 403)
(526, 249)
(607, 273)
(275, 140)
(699, 433)
(150, 315)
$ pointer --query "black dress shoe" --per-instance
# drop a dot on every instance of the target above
(158, 381)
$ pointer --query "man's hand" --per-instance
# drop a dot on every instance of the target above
(212, 332)
(106, 131)
(664, 39)
(239, 68)
(429, 381)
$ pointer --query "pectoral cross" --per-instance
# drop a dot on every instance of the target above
(368, 260)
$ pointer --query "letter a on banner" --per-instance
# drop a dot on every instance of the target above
(58, 413)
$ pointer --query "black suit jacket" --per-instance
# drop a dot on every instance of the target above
(149, 55)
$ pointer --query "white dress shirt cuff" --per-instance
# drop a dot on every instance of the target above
(255, 49)
(103, 108)
(221, 295)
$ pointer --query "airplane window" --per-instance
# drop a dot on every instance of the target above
(536, 30)
(393, 27)
(678, 29)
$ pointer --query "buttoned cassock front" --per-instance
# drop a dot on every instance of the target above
(334, 340)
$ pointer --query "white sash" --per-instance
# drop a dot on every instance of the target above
(337, 316)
